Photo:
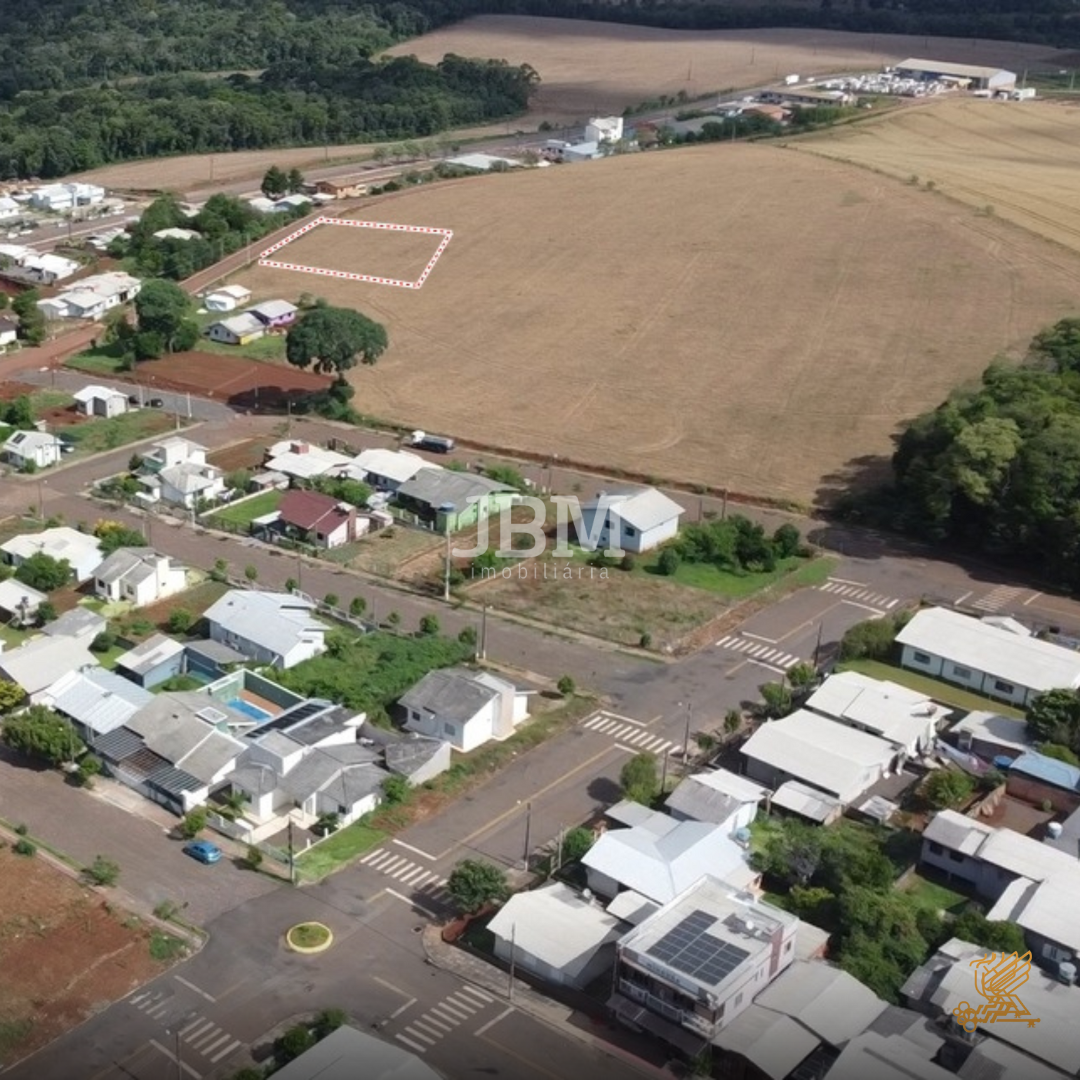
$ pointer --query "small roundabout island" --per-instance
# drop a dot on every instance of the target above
(309, 938)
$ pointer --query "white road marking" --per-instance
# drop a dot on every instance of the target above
(427, 1028)
(413, 903)
(224, 1053)
(414, 850)
(192, 986)
(491, 1023)
(443, 1013)
(191, 1034)
(207, 1050)
(444, 1027)
(169, 1054)
(412, 1045)
(760, 637)
(402, 1008)
(486, 998)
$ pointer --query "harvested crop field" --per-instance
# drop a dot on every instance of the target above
(63, 954)
(1019, 158)
(742, 316)
(588, 68)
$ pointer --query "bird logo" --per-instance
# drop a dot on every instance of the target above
(997, 979)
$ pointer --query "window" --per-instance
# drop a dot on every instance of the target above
(448, 729)
(738, 1000)
(630, 530)
(921, 658)
(936, 849)
(1003, 687)
(955, 856)
(961, 672)
(787, 947)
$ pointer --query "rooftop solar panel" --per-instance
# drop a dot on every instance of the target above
(688, 948)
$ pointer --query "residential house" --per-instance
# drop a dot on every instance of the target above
(96, 701)
(45, 269)
(944, 983)
(9, 331)
(210, 660)
(886, 1057)
(464, 708)
(341, 188)
(82, 551)
(1001, 663)
(35, 665)
(582, 151)
(718, 797)
(19, 603)
(273, 628)
(275, 314)
(484, 162)
(907, 719)
(291, 202)
(177, 234)
(262, 205)
(152, 661)
(1039, 779)
(316, 519)
(348, 1053)
(301, 460)
(604, 129)
(760, 1043)
(172, 750)
(416, 758)
(1030, 883)
(100, 401)
(686, 972)
(9, 208)
(175, 471)
(236, 330)
(66, 196)
(825, 755)
(557, 935)
(989, 735)
(993, 1058)
(807, 802)
(32, 449)
(629, 519)
(387, 470)
(139, 576)
(78, 622)
(661, 857)
(92, 297)
(175, 450)
(226, 298)
(447, 501)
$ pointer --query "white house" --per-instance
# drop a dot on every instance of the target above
(100, 401)
(138, 575)
(630, 519)
(1007, 664)
(226, 298)
(823, 754)
(177, 234)
(9, 331)
(82, 551)
(66, 196)
(99, 701)
(236, 330)
(92, 297)
(583, 151)
(187, 484)
(604, 129)
(273, 628)
(686, 972)
(49, 268)
(173, 451)
(32, 449)
(19, 603)
(907, 719)
(464, 708)
(387, 470)
(556, 934)
(719, 797)
(9, 208)
(300, 460)
(36, 665)
(660, 857)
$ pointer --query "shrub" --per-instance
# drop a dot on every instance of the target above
(89, 767)
(357, 606)
(253, 857)
(395, 789)
(103, 871)
(645, 641)
(46, 612)
(566, 685)
(193, 823)
(870, 640)
(103, 642)
(468, 636)
(251, 573)
(394, 618)
(331, 599)
(166, 910)
(628, 562)
(294, 1042)
(180, 621)
(668, 563)
(21, 829)
(291, 584)
(947, 788)
(429, 625)
(24, 847)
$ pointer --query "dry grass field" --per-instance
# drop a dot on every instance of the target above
(377, 252)
(744, 316)
(1021, 158)
(595, 67)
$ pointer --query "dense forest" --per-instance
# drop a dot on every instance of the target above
(996, 468)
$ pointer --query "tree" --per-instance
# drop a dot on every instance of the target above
(1054, 717)
(103, 642)
(114, 534)
(801, 676)
(776, 699)
(357, 606)
(44, 573)
(474, 883)
(180, 621)
(162, 308)
(872, 640)
(46, 612)
(429, 625)
(1050, 750)
(11, 695)
(732, 721)
(948, 788)
(330, 599)
(566, 685)
(395, 789)
(791, 855)
(275, 183)
(787, 541)
(31, 317)
(103, 870)
(639, 780)
(193, 823)
(251, 573)
(42, 733)
(576, 844)
(292, 1043)
(333, 340)
(996, 936)
(295, 180)
(668, 562)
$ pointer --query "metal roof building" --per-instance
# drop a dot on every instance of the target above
(974, 76)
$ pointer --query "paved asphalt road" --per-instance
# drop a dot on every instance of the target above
(244, 981)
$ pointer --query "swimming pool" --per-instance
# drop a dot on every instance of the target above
(240, 705)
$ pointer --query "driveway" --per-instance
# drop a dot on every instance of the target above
(152, 865)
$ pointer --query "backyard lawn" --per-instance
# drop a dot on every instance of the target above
(246, 512)
(97, 435)
(935, 896)
(101, 360)
(940, 691)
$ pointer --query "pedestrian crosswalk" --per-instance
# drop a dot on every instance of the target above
(761, 652)
(628, 733)
(997, 598)
(199, 1035)
(440, 1020)
(849, 590)
(419, 879)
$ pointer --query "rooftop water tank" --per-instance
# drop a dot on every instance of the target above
(1066, 972)
(1002, 761)
(1053, 830)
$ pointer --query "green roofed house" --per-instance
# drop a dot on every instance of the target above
(448, 501)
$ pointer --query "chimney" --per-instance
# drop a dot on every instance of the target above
(300, 448)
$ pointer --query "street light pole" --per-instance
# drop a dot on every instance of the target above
(686, 735)
(528, 829)
(446, 573)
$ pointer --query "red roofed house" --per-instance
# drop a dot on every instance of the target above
(318, 519)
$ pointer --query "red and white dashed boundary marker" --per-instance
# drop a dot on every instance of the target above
(446, 235)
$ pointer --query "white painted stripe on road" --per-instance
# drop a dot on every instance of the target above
(445, 1014)
(157, 1010)
(204, 1026)
(625, 749)
(412, 1045)
(758, 650)
(206, 1050)
(486, 998)
(464, 1003)
(627, 719)
(372, 855)
(205, 1040)
(844, 581)
(638, 737)
(395, 863)
(169, 1054)
(444, 1028)
(429, 878)
(401, 1008)
(192, 986)
(891, 604)
(194, 1024)
(414, 850)
(412, 903)
(224, 1053)
(427, 1028)
(414, 1034)
(376, 860)
(491, 1023)
(412, 872)
(136, 998)
(454, 1009)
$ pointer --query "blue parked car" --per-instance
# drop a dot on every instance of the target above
(204, 851)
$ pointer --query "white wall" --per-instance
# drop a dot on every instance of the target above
(979, 681)
(652, 538)
(303, 650)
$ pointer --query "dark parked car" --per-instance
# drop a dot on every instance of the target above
(133, 399)
(204, 851)
(156, 403)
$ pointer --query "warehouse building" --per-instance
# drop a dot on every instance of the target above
(966, 76)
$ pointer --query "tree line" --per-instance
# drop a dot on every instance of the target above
(996, 468)
(52, 132)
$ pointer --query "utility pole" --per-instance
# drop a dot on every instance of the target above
(817, 648)
(483, 632)
(288, 422)
(292, 860)
(41, 500)
(558, 858)
(528, 830)
(189, 403)
(663, 771)
(686, 735)
(446, 572)
(299, 574)
(179, 1061)
(513, 960)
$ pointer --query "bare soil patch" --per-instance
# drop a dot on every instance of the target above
(589, 68)
(63, 953)
(377, 252)
(248, 454)
(742, 316)
(1014, 160)
(397, 552)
